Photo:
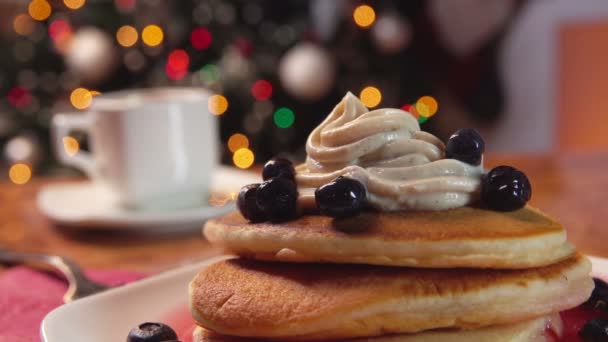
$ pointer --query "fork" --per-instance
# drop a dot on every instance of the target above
(79, 285)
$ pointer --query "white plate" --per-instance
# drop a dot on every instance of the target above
(110, 315)
(87, 205)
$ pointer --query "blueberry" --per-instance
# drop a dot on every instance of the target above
(340, 198)
(505, 188)
(595, 330)
(599, 296)
(247, 203)
(465, 145)
(278, 167)
(152, 332)
(277, 198)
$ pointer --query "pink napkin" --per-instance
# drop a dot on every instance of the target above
(26, 296)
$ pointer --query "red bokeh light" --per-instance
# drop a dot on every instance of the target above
(201, 38)
(175, 74)
(125, 5)
(261, 90)
(178, 60)
(412, 109)
(60, 30)
(19, 97)
(244, 46)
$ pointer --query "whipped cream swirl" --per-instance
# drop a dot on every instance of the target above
(402, 167)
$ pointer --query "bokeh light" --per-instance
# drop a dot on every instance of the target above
(20, 173)
(427, 106)
(201, 38)
(71, 145)
(261, 90)
(39, 9)
(217, 105)
(422, 119)
(411, 109)
(127, 36)
(284, 117)
(125, 5)
(209, 74)
(19, 97)
(152, 35)
(364, 16)
(370, 96)
(23, 25)
(74, 4)
(81, 98)
(178, 59)
(60, 32)
(237, 141)
(243, 158)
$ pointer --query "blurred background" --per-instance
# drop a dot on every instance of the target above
(530, 75)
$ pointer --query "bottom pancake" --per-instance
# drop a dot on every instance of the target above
(543, 329)
(323, 301)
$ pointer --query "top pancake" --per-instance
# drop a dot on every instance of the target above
(462, 237)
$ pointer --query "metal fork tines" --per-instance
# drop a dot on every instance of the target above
(79, 285)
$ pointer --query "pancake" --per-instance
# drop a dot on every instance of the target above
(284, 301)
(462, 237)
(541, 329)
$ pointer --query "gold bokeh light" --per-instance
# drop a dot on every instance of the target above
(243, 158)
(20, 173)
(127, 36)
(81, 98)
(427, 106)
(74, 4)
(370, 96)
(39, 9)
(152, 35)
(364, 16)
(237, 141)
(71, 146)
(217, 105)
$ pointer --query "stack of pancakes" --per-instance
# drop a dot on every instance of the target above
(464, 274)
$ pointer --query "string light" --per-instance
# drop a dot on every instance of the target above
(201, 38)
(127, 36)
(364, 16)
(71, 145)
(284, 117)
(39, 9)
(370, 96)
(243, 158)
(74, 4)
(20, 173)
(81, 98)
(152, 35)
(427, 106)
(23, 25)
(237, 141)
(261, 90)
(217, 104)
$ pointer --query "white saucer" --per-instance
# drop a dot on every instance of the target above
(87, 205)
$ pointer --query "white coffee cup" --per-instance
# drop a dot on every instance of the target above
(154, 148)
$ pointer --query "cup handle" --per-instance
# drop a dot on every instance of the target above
(62, 126)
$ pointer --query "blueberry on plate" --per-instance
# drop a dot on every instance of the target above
(247, 203)
(465, 145)
(341, 198)
(599, 297)
(277, 198)
(152, 332)
(595, 330)
(505, 188)
(278, 167)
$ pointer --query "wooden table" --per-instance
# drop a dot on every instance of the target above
(573, 188)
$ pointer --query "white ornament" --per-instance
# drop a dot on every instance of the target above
(307, 71)
(91, 55)
(391, 33)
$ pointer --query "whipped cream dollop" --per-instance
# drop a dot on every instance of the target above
(402, 167)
